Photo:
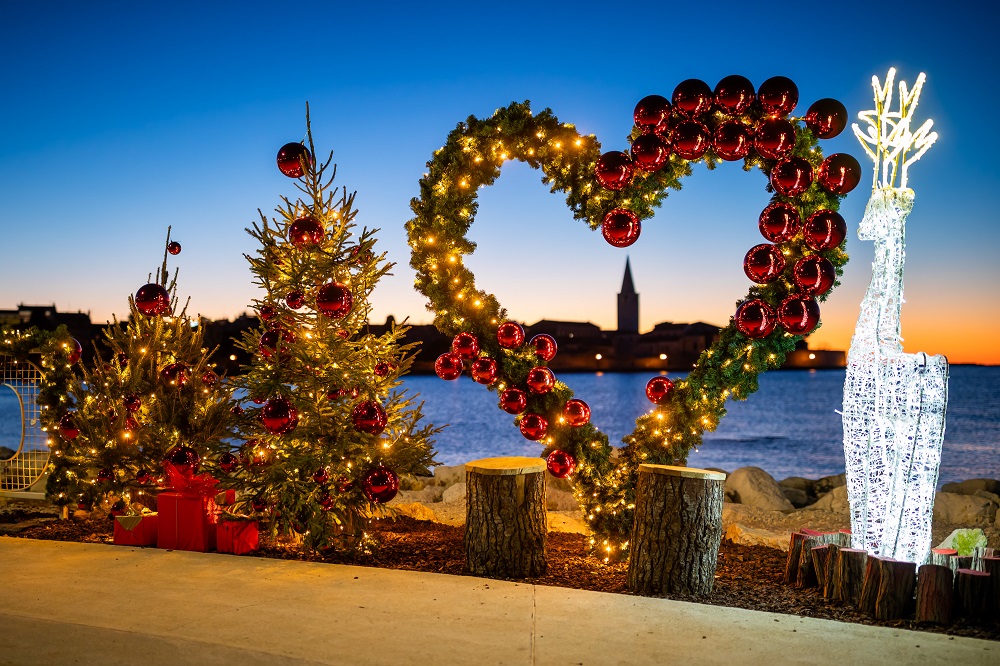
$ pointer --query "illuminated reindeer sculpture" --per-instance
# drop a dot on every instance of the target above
(894, 403)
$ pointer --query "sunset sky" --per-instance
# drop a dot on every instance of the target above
(122, 118)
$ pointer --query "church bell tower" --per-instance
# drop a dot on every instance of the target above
(628, 304)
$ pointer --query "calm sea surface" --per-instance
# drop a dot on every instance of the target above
(789, 427)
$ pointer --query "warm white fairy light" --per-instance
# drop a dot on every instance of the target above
(894, 403)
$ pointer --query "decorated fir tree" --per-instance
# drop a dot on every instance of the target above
(327, 427)
(150, 394)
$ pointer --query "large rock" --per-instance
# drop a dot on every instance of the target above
(965, 510)
(568, 522)
(560, 500)
(755, 536)
(455, 493)
(449, 476)
(410, 482)
(554, 483)
(755, 487)
(798, 483)
(415, 510)
(827, 483)
(427, 495)
(971, 486)
(834, 501)
(798, 498)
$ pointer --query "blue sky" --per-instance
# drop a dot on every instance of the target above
(121, 119)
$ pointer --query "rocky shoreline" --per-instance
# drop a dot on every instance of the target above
(758, 510)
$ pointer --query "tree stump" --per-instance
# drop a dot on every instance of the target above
(820, 554)
(935, 594)
(895, 589)
(942, 556)
(869, 588)
(849, 576)
(830, 575)
(807, 572)
(991, 565)
(505, 519)
(676, 530)
(960, 562)
(972, 589)
(979, 554)
(794, 553)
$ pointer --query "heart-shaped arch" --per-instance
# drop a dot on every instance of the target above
(472, 158)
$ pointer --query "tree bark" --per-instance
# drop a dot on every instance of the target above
(850, 576)
(935, 594)
(895, 589)
(794, 553)
(980, 554)
(991, 565)
(960, 562)
(505, 524)
(869, 588)
(807, 572)
(676, 530)
(972, 590)
(820, 555)
(830, 575)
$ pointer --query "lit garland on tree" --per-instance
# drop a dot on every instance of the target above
(615, 191)
(150, 392)
(333, 428)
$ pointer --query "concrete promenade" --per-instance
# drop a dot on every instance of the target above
(71, 603)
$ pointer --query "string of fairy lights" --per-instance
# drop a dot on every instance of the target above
(614, 192)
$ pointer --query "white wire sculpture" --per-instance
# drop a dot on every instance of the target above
(894, 403)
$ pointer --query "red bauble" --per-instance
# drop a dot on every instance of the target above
(755, 318)
(798, 314)
(692, 98)
(560, 464)
(258, 504)
(814, 275)
(545, 346)
(778, 96)
(576, 412)
(540, 380)
(267, 313)
(651, 111)
(369, 417)
(105, 474)
(513, 400)
(142, 477)
(382, 369)
(732, 140)
(269, 343)
(305, 231)
(775, 138)
(228, 462)
(152, 300)
(175, 375)
(123, 360)
(779, 222)
(650, 152)
(68, 428)
(344, 484)
(448, 366)
(132, 403)
(185, 459)
(236, 410)
(533, 427)
(75, 351)
(510, 335)
(840, 173)
(174, 248)
(734, 94)
(465, 346)
(321, 476)
(325, 500)
(791, 176)
(826, 118)
(258, 400)
(380, 484)
(130, 425)
(291, 158)
(614, 170)
(621, 227)
(484, 370)
(763, 263)
(690, 139)
(279, 416)
(334, 300)
(209, 378)
(825, 229)
(658, 390)
(295, 300)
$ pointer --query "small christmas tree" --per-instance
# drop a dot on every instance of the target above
(150, 393)
(330, 428)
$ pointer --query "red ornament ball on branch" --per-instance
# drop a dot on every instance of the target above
(174, 248)
(732, 140)
(658, 390)
(755, 318)
(321, 475)
(305, 231)
(791, 176)
(545, 346)
(690, 139)
(614, 170)
(295, 300)
(826, 118)
(540, 380)
(576, 412)
(560, 464)
(534, 427)
(775, 138)
(75, 351)
(326, 501)
(132, 403)
(175, 375)
(334, 300)
(380, 484)
(270, 340)
(185, 459)
(798, 314)
(382, 369)
(825, 230)
(779, 222)
(209, 378)
(778, 96)
(369, 417)
(279, 416)
(621, 227)
(68, 429)
(448, 366)
(692, 98)
(650, 152)
(734, 94)
(484, 370)
(465, 346)
(513, 400)
(510, 335)
(292, 157)
(105, 474)
(651, 111)
(152, 300)
(840, 173)
(814, 275)
(763, 263)
(267, 313)
(142, 477)
(228, 462)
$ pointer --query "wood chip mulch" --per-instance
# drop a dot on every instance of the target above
(746, 576)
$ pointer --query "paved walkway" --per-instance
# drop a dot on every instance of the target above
(71, 603)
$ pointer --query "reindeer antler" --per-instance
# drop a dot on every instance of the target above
(889, 138)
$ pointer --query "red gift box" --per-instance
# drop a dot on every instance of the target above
(136, 530)
(187, 522)
(237, 536)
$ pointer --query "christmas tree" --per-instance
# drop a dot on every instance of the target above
(150, 394)
(328, 429)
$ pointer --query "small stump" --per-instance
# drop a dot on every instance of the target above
(505, 517)
(676, 531)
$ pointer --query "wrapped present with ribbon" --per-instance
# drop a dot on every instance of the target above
(137, 530)
(236, 534)
(187, 509)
